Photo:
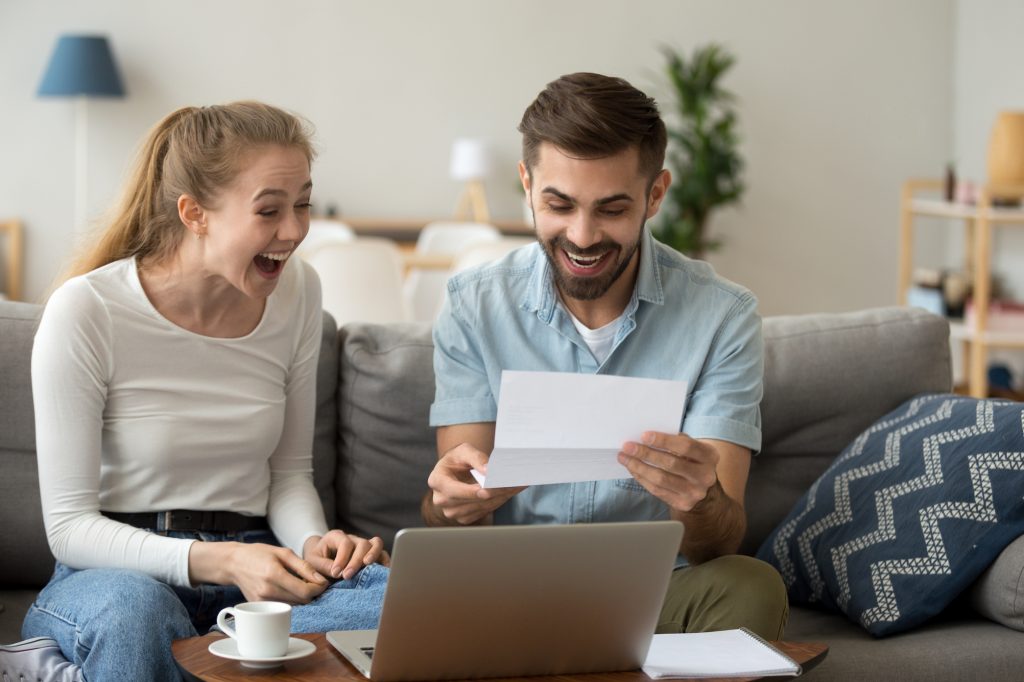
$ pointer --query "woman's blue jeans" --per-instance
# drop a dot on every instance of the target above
(119, 624)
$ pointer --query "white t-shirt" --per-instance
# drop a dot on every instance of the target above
(136, 414)
(601, 340)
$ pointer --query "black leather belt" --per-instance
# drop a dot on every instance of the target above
(188, 520)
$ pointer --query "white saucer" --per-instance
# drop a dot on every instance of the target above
(228, 648)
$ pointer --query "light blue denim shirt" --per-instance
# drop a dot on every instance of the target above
(683, 322)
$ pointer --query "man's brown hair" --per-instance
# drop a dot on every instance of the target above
(593, 116)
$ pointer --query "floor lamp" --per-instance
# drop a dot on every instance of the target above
(470, 163)
(81, 67)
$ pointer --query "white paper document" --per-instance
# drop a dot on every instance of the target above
(728, 653)
(561, 427)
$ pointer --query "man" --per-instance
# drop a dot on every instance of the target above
(598, 294)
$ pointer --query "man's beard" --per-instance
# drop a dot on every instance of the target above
(589, 288)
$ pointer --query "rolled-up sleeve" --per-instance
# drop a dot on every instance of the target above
(462, 391)
(725, 403)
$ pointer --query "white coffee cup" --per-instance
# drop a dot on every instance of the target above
(261, 627)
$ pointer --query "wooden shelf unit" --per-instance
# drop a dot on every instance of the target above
(14, 248)
(979, 221)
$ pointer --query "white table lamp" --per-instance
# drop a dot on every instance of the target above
(470, 164)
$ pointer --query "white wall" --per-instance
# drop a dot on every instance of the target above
(989, 78)
(839, 102)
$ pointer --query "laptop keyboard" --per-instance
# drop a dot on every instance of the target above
(368, 650)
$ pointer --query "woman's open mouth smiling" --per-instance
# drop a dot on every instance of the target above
(270, 263)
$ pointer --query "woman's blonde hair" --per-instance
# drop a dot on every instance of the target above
(195, 151)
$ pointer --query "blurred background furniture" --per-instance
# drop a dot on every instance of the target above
(361, 280)
(485, 252)
(324, 231)
(407, 230)
(13, 251)
(424, 287)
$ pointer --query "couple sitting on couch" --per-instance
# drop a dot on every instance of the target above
(174, 370)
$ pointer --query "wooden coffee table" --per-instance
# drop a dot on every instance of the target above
(197, 663)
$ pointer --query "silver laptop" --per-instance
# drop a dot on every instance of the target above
(509, 601)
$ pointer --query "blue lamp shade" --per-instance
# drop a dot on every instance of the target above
(82, 65)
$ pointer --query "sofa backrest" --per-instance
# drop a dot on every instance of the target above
(21, 517)
(386, 448)
(827, 377)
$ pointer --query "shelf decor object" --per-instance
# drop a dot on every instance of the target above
(470, 164)
(1006, 151)
(81, 66)
(980, 220)
(12, 232)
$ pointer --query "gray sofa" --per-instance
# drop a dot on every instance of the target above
(826, 378)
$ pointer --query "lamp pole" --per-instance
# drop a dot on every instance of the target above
(81, 162)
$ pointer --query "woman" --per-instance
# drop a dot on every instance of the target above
(175, 370)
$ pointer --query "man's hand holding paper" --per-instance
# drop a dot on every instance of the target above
(556, 427)
(677, 469)
(455, 493)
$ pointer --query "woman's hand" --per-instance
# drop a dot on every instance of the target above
(340, 555)
(262, 572)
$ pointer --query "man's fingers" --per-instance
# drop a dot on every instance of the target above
(466, 513)
(681, 489)
(673, 442)
(657, 458)
(448, 483)
(677, 444)
(465, 457)
(499, 494)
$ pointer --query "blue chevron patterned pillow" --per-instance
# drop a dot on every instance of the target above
(909, 514)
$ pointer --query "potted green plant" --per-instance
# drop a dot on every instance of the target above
(703, 152)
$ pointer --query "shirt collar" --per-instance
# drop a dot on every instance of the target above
(542, 298)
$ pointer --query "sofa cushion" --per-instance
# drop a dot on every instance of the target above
(386, 449)
(827, 377)
(909, 514)
(999, 592)
(955, 646)
(17, 419)
(325, 430)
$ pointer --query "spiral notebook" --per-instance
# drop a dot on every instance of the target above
(728, 653)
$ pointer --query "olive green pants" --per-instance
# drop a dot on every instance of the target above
(728, 592)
